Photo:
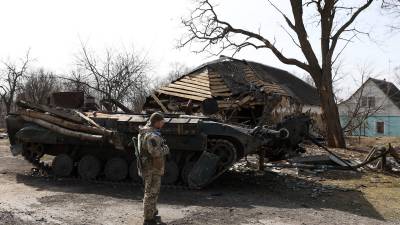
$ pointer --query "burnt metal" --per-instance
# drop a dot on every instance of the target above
(193, 140)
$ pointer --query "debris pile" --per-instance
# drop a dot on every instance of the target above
(235, 91)
(67, 122)
(379, 158)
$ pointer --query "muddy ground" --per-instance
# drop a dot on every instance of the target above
(245, 197)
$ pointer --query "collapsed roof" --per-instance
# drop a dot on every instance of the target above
(236, 83)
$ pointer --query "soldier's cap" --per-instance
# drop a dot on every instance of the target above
(155, 117)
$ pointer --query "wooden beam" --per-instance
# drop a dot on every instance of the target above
(197, 98)
(64, 123)
(87, 119)
(214, 76)
(185, 92)
(217, 83)
(186, 80)
(245, 100)
(213, 87)
(216, 80)
(222, 90)
(222, 94)
(66, 114)
(192, 85)
(61, 130)
(159, 103)
(189, 88)
(200, 75)
(201, 80)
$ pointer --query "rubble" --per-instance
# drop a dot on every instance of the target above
(236, 91)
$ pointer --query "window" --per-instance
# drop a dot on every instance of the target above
(368, 101)
(380, 127)
(371, 102)
(364, 101)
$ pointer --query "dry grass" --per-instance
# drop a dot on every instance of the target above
(368, 142)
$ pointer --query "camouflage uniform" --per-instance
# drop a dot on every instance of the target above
(153, 150)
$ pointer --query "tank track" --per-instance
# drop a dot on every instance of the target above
(44, 170)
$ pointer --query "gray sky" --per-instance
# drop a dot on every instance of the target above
(53, 31)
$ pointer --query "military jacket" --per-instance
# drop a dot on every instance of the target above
(153, 150)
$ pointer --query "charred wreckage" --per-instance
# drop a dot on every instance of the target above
(93, 144)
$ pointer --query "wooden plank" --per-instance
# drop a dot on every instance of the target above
(197, 98)
(221, 90)
(205, 82)
(201, 75)
(159, 102)
(245, 100)
(63, 113)
(185, 92)
(87, 119)
(194, 82)
(192, 85)
(222, 94)
(189, 89)
(214, 76)
(217, 84)
(64, 123)
(251, 77)
(201, 79)
(216, 80)
(77, 134)
(213, 87)
(227, 105)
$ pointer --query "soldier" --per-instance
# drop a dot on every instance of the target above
(153, 149)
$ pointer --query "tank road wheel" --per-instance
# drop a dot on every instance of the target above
(32, 152)
(171, 173)
(133, 172)
(187, 168)
(225, 150)
(116, 169)
(62, 165)
(89, 167)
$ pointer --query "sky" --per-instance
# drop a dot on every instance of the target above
(54, 29)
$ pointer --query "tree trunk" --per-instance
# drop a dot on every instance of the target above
(330, 115)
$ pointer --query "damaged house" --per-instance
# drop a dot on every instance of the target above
(237, 91)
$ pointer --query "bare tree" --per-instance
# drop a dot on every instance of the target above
(76, 81)
(359, 107)
(121, 76)
(177, 70)
(392, 7)
(39, 85)
(11, 80)
(207, 28)
(308, 79)
(391, 4)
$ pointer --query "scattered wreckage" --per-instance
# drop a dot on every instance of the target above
(236, 91)
(96, 145)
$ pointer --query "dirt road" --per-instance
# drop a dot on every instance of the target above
(236, 198)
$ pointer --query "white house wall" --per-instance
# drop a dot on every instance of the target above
(381, 100)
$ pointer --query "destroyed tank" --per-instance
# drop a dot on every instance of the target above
(94, 145)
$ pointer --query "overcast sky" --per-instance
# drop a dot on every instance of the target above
(53, 31)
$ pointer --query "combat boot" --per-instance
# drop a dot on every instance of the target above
(150, 222)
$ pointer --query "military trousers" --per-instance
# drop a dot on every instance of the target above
(152, 183)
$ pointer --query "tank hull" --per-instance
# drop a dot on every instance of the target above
(198, 144)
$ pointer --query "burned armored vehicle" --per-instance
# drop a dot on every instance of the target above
(95, 145)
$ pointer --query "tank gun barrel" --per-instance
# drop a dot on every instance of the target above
(264, 132)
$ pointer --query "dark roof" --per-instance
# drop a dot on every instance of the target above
(389, 89)
(232, 71)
